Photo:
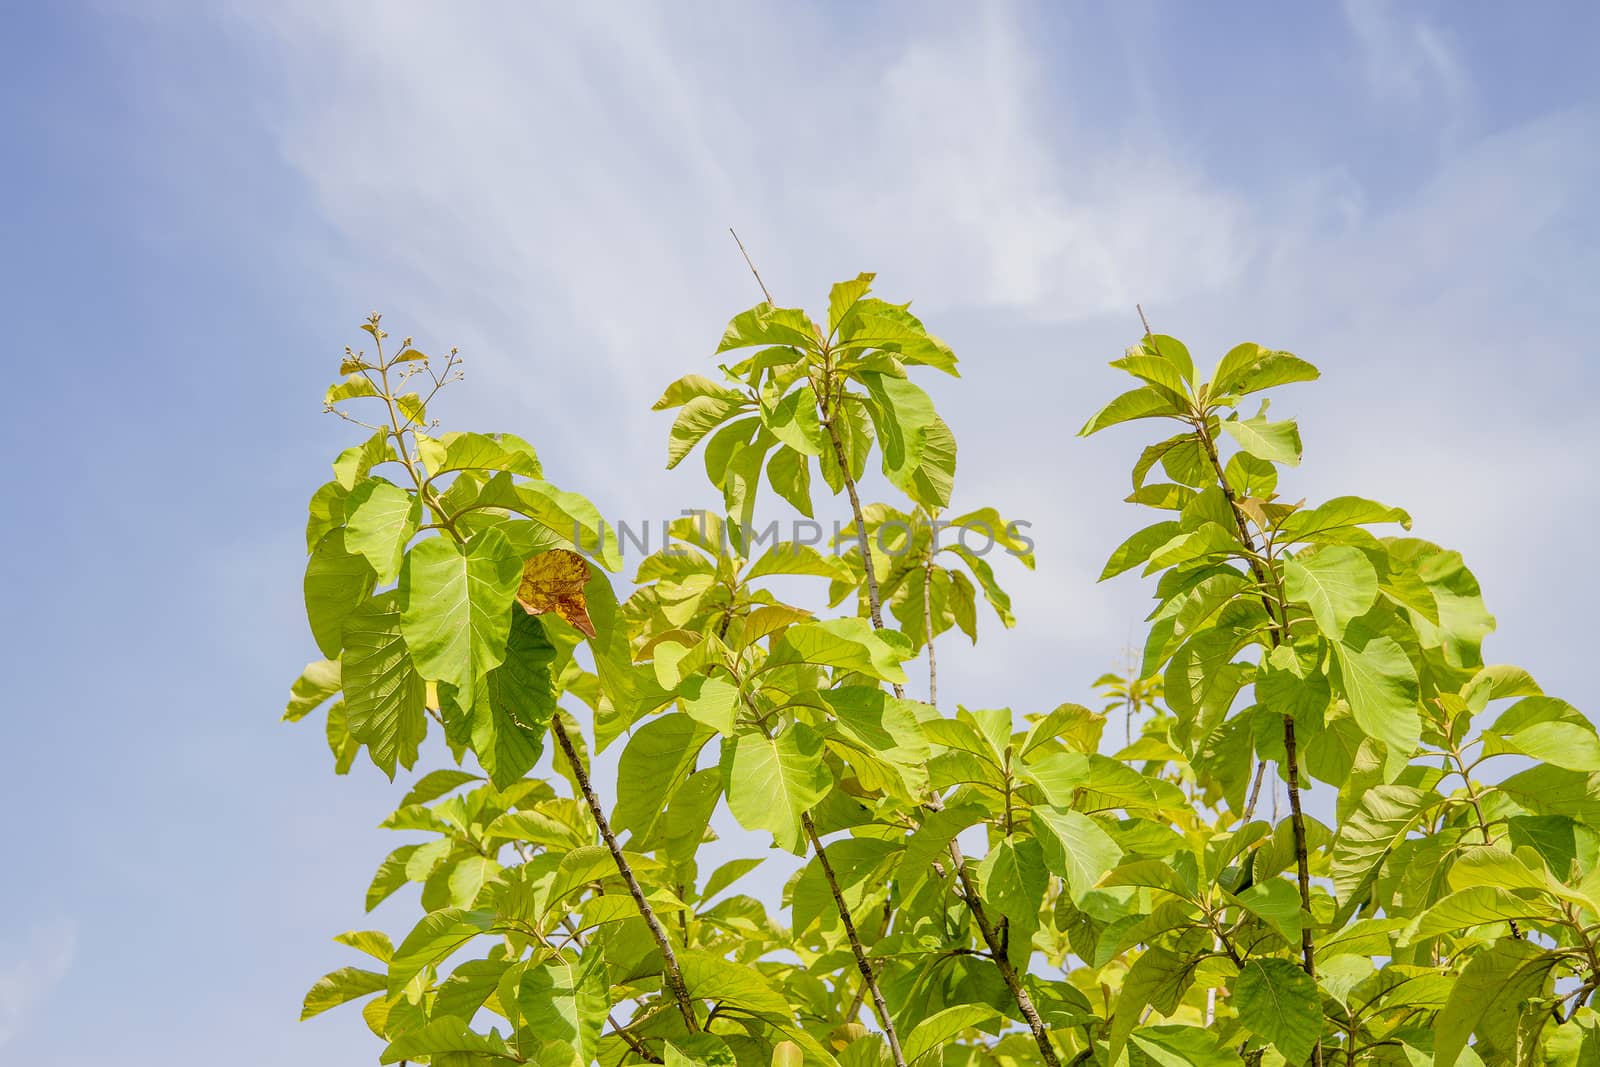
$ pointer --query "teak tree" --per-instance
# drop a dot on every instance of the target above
(1130, 908)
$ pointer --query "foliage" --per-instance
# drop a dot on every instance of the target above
(1132, 908)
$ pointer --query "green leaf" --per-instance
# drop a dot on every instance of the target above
(514, 706)
(566, 1001)
(772, 781)
(699, 416)
(1275, 442)
(1476, 905)
(1278, 903)
(1337, 583)
(337, 581)
(339, 987)
(441, 1037)
(794, 421)
(1488, 996)
(325, 512)
(391, 875)
(943, 1027)
(1280, 1002)
(1146, 402)
(1179, 1046)
(1325, 522)
(691, 386)
(901, 414)
(381, 520)
(318, 682)
(934, 477)
(1249, 368)
(384, 695)
(789, 473)
(1384, 817)
(1381, 686)
(843, 297)
(657, 758)
(567, 515)
(354, 463)
(477, 452)
(455, 603)
(1158, 979)
(1137, 549)
(435, 784)
(1013, 880)
(848, 644)
(1075, 847)
(733, 985)
(1159, 372)
(767, 325)
(439, 934)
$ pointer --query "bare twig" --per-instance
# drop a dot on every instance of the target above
(752, 266)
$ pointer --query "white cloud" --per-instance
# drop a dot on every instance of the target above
(1406, 58)
(30, 972)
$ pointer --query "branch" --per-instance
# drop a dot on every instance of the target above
(675, 982)
(864, 965)
(1267, 580)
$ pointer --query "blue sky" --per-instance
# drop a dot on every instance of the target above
(202, 201)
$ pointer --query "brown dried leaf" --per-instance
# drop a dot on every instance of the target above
(554, 581)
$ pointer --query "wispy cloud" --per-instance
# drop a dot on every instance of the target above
(29, 973)
(1407, 58)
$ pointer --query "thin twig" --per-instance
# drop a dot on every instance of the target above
(752, 267)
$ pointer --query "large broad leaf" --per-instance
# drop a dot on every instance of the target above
(1137, 548)
(513, 708)
(477, 452)
(942, 1027)
(1158, 979)
(337, 581)
(849, 644)
(339, 987)
(733, 985)
(1385, 816)
(700, 415)
(1477, 905)
(1146, 402)
(1249, 368)
(1487, 999)
(690, 386)
(1178, 1046)
(1279, 1001)
(568, 516)
(901, 413)
(1075, 847)
(455, 603)
(1275, 442)
(772, 781)
(442, 1037)
(1338, 584)
(383, 693)
(381, 519)
(656, 760)
(319, 681)
(439, 934)
(1381, 686)
(934, 477)
(566, 1001)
